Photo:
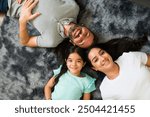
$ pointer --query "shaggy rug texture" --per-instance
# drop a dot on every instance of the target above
(24, 71)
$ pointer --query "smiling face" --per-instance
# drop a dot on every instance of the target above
(100, 60)
(81, 36)
(75, 64)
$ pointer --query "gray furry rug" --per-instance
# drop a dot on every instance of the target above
(24, 71)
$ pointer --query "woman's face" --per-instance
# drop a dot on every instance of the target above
(100, 60)
(74, 64)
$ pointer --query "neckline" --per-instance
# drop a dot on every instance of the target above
(76, 76)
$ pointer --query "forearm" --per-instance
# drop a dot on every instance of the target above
(23, 32)
(47, 92)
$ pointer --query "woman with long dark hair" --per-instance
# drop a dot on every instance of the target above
(127, 77)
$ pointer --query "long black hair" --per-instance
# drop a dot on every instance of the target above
(115, 47)
(68, 51)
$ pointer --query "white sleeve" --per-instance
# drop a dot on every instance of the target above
(140, 56)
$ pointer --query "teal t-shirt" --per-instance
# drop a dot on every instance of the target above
(70, 87)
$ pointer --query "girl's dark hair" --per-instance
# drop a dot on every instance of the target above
(117, 46)
(68, 51)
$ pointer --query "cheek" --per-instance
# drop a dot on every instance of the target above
(94, 65)
(67, 64)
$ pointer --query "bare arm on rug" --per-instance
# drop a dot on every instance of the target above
(48, 88)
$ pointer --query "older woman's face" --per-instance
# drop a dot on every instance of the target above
(100, 60)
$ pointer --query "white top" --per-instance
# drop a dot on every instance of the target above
(133, 81)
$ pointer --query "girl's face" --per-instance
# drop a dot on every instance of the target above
(100, 60)
(74, 64)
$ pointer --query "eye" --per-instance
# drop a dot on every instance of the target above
(95, 60)
(79, 61)
(101, 52)
(69, 60)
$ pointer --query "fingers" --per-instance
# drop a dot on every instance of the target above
(34, 15)
(30, 3)
(34, 3)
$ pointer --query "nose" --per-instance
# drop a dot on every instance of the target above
(102, 60)
(74, 63)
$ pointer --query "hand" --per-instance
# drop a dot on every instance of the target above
(26, 10)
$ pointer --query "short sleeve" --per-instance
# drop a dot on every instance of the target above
(140, 56)
(57, 71)
(90, 85)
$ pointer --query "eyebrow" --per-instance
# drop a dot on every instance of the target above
(77, 59)
(94, 58)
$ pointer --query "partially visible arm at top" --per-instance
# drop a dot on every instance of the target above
(19, 1)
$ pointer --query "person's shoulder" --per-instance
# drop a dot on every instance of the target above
(126, 57)
(89, 77)
(57, 70)
(133, 53)
(129, 54)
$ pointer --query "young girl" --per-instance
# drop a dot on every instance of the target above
(70, 83)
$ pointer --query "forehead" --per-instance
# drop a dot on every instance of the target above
(74, 56)
(93, 52)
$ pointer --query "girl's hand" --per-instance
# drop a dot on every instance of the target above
(86, 96)
(26, 10)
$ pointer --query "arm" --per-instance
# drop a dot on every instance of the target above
(26, 16)
(48, 87)
(86, 96)
(25, 39)
(148, 60)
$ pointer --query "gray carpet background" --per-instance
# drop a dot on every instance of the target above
(24, 71)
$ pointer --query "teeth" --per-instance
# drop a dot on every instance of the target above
(82, 42)
(76, 32)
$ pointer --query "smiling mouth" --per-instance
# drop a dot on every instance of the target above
(77, 32)
(83, 41)
(74, 68)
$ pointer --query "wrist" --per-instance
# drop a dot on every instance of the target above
(22, 20)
